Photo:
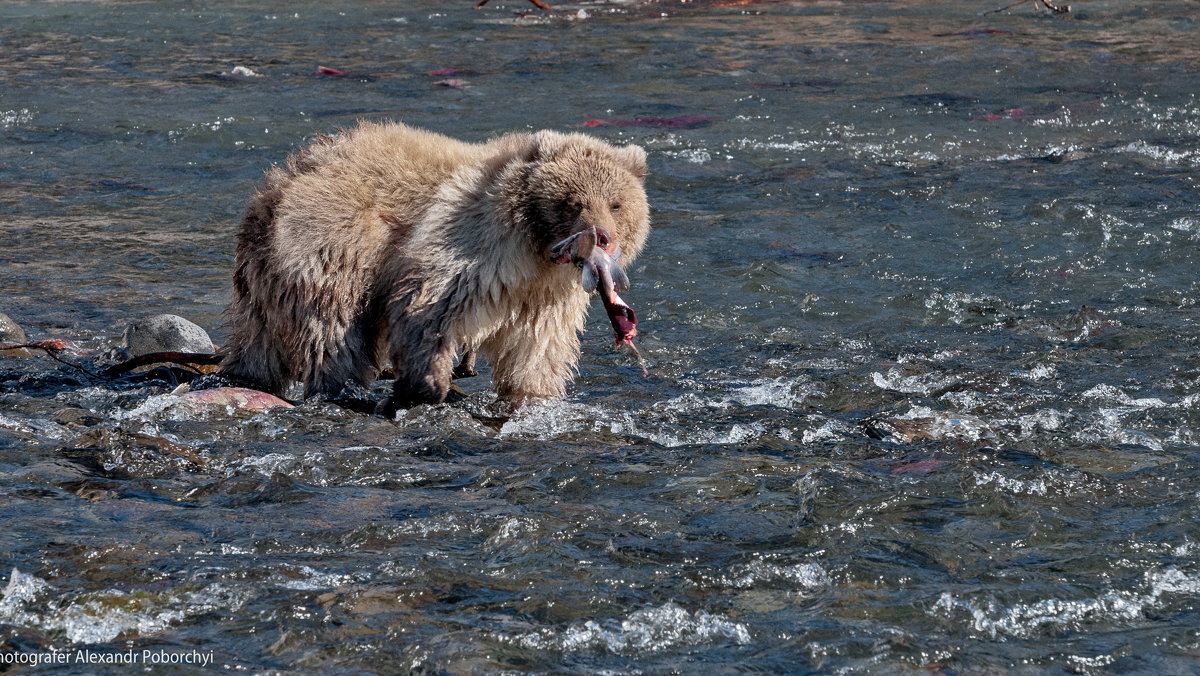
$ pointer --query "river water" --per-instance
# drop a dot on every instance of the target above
(919, 310)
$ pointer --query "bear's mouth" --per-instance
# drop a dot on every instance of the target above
(595, 252)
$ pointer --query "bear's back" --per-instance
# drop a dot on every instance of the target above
(398, 163)
(376, 175)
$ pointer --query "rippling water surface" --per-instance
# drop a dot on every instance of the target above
(920, 312)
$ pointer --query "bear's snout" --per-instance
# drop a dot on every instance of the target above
(595, 220)
(580, 246)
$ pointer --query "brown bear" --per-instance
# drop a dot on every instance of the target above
(386, 241)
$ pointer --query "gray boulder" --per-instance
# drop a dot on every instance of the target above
(11, 333)
(166, 333)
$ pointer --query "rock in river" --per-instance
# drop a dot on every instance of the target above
(166, 333)
(11, 333)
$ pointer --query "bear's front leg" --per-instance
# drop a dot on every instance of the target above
(425, 381)
(535, 355)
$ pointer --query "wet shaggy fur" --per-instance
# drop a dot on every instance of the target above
(386, 241)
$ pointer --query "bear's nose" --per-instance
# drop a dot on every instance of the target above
(579, 247)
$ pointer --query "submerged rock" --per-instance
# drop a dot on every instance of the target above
(10, 331)
(250, 488)
(166, 333)
(119, 454)
(76, 417)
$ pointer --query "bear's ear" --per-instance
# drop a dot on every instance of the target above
(634, 158)
(543, 145)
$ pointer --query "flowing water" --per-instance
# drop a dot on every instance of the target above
(919, 309)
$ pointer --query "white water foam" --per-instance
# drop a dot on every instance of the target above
(1113, 394)
(643, 631)
(1162, 154)
(922, 383)
(693, 155)
(1026, 619)
(800, 576)
(1039, 372)
(148, 409)
(830, 430)
(548, 420)
(782, 392)
(15, 118)
(36, 428)
(21, 589)
(99, 617)
(1032, 487)
(308, 579)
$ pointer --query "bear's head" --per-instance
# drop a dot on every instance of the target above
(578, 183)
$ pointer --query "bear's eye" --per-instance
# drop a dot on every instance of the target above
(616, 206)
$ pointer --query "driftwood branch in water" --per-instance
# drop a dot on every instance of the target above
(181, 358)
(188, 359)
(51, 348)
(536, 3)
(1057, 9)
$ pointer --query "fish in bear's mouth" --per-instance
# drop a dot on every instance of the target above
(595, 252)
